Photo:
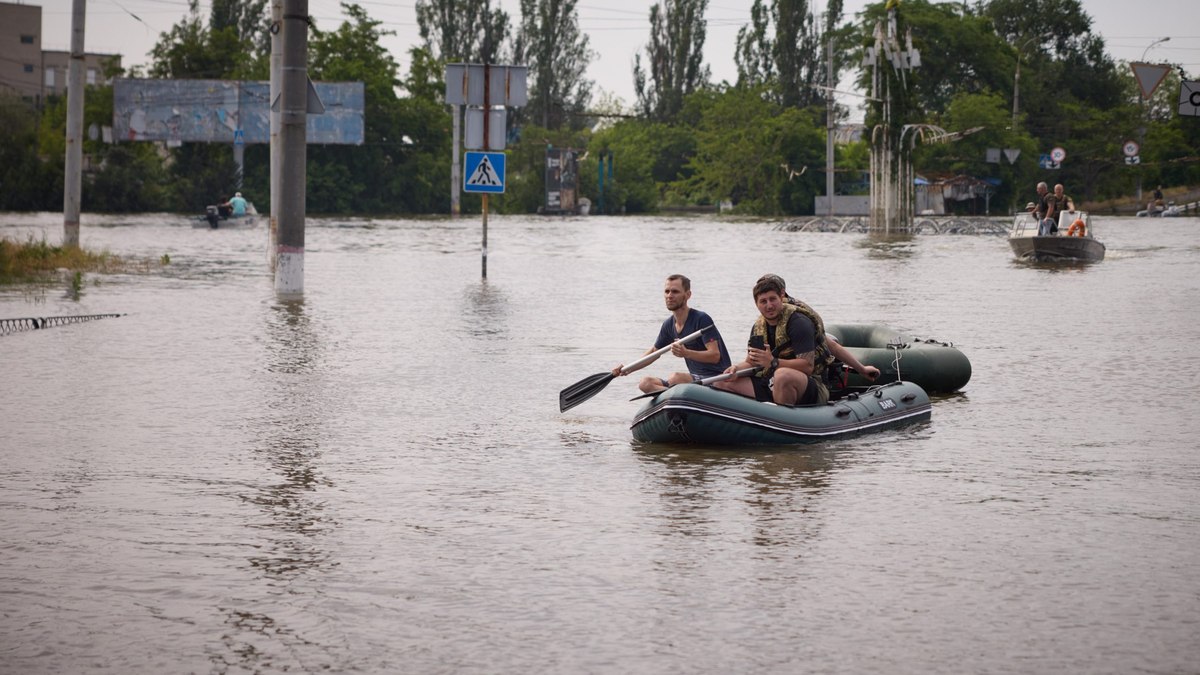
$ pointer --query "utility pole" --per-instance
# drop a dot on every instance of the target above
(829, 130)
(275, 144)
(73, 179)
(293, 155)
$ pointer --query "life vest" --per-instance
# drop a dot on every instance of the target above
(783, 349)
(1078, 229)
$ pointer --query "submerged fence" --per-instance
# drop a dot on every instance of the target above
(38, 322)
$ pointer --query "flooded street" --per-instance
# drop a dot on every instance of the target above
(377, 479)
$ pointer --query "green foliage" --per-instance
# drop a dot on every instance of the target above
(647, 155)
(756, 153)
(784, 47)
(557, 54)
(462, 31)
(26, 182)
(674, 58)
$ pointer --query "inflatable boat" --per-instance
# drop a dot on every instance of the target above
(693, 413)
(935, 366)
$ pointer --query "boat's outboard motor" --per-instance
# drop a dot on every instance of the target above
(212, 216)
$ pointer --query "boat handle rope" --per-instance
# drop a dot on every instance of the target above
(896, 345)
(38, 322)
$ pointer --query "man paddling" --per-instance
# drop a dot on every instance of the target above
(705, 356)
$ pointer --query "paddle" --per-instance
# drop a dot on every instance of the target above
(590, 386)
(706, 381)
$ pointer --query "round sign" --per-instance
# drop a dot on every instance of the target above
(1130, 148)
(1058, 154)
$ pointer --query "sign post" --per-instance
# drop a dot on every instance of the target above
(482, 89)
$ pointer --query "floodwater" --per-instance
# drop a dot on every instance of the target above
(377, 479)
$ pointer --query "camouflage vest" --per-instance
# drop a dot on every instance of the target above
(783, 349)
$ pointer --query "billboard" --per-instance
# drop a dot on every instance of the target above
(227, 111)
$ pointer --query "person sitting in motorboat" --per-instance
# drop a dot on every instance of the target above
(236, 206)
(1046, 211)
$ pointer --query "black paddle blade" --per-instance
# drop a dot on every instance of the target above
(582, 390)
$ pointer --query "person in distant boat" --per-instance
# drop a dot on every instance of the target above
(705, 356)
(788, 347)
(1045, 210)
(1063, 202)
(835, 347)
(1158, 197)
(236, 205)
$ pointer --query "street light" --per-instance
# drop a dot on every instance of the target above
(1142, 101)
(1153, 45)
(1017, 76)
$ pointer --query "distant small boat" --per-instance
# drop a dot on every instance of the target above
(1073, 241)
(1157, 210)
(217, 217)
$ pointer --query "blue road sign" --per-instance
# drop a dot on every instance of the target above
(239, 137)
(484, 172)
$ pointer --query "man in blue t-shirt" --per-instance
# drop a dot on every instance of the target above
(705, 356)
(236, 205)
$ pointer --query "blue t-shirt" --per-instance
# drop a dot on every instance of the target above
(239, 206)
(694, 322)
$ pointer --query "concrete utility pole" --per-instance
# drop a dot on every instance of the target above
(829, 131)
(276, 146)
(73, 180)
(293, 154)
(455, 165)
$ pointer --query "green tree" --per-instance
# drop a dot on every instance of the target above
(26, 182)
(674, 58)
(783, 47)
(462, 31)
(556, 51)
(755, 152)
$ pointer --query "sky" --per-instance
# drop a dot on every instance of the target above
(617, 30)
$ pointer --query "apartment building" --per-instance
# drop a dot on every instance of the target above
(29, 71)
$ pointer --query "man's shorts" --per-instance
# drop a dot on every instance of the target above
(812, 393)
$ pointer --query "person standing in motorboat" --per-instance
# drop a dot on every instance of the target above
(705, 356)
(236, 206)
(1046, 211)
(787, 345)
(1063, 202)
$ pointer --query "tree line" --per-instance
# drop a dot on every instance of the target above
(758, 142)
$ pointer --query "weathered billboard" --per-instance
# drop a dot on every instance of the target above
(227, 111)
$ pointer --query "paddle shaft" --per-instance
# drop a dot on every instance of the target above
(706, 381)
(625, 370)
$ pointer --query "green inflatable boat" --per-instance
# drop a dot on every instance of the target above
(693, 413)
(936, 366)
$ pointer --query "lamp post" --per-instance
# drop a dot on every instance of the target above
(1017, 75)
(1142, 129)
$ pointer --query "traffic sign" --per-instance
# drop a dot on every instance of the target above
(1130, 148)
(1046, 162)
(1149, 76)
(484, 172)
(1058, 155)
(239, 137)
(1135, 159)
(1189, 98)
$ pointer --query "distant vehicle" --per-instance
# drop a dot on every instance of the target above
(1074, 240)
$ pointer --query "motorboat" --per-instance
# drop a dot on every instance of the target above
(222, 217)
(1074, 240)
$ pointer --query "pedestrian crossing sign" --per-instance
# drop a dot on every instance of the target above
(484, 172)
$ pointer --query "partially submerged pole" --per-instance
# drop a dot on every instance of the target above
(289, 251)
(73, 178)
(276, 146)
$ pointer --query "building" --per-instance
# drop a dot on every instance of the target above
(30, 72)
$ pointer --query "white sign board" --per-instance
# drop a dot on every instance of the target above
(497, 133)
(466, 84)
(1189, 99)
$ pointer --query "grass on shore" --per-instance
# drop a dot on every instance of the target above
(33, 260)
